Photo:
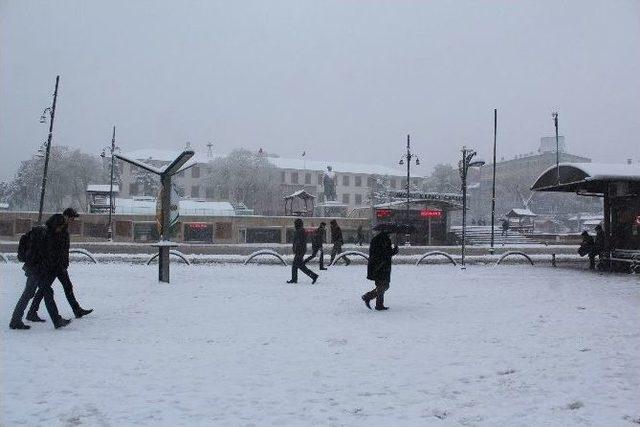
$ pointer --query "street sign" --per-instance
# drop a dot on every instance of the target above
(174, 208)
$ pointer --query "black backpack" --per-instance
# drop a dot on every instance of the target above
(25, 246)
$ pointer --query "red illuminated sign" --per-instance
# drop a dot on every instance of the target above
(197, 225)
(383, 213)
(430, 213)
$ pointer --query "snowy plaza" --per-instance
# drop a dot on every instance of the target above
(235, 345)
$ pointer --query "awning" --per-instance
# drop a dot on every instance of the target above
(588, 178)
(301, 194)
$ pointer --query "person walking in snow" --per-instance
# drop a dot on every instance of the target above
(316, 245)
(505, 227)
(63, 242)
(338, 241)
(41, 260)
(299, 250)
(359, 235)
(588, 247)
(379, 266)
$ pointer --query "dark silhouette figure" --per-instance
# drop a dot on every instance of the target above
(505, 227)
(338, 241)
(316, 245)
(588, 247)
(61, 273)
(40, 268)
(299, 249)
(379, 266)
(359, 235)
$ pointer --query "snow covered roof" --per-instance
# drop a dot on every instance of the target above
(102, 188)
(587, 217)
(279, 162)
(584, 176)
(147, 206)
(303, 194)
(521, 212)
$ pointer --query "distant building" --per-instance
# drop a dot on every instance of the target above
(353, 187)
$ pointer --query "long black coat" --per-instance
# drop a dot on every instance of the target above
(336, 234)
(299, 242)
(380, 253)
(318, 238)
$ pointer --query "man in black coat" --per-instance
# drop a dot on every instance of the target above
(316, 245)
(62, 273)
(588, 247)
(338, 241)
(299, 249)
(379, 265)
(40, 269)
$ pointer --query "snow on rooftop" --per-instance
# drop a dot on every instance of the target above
(102, 188)
(521, 212)
(147, 206)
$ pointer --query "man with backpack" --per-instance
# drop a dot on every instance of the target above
(316, 245)
(40, 262)
(61, 273)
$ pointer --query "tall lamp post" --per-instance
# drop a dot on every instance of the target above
(43, 119)
(555, 123)
(463, 167)
(113, 149)
(408, 156)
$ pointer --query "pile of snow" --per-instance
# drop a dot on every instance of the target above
(236, 345)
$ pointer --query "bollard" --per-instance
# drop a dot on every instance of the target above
(553, 260)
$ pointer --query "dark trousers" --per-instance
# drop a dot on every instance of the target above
(298, 263)
(382, 286)
(337, 250)
(35, 283)
(63, 277)
(313, 254)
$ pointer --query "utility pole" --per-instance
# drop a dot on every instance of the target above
(409, 156)
(555, 122)
(493, 180)
(111, 203)
(52, 113)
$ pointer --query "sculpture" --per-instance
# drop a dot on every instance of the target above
(329, 184)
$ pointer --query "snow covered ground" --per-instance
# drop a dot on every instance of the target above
(234, 345)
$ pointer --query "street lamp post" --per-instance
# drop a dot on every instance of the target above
(112, 150)
(555, 122)
(409, 156)
(43, 119)
(463, 169)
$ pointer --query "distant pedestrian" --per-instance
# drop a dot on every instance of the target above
(379, 266)
(299, 250)
(316, 245)
(61, 273)
(359, 235)
(37, 249)
(505, 227)
(588, 247)
(599, 240)
(338, 241)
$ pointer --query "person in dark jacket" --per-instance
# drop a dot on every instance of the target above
(62, 274)
(588, 247)
(599, 240)
(359, 235)
(338, 241)
(299, 249)
(40, 269)
(505, 227)
(379, 265)
(316, 245)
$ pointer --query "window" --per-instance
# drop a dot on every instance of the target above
(294, 177)
(345, 199)
(307, 178)
(195, 172)
(371, 181)
(133, 189)
(195, 191)
(358, 181)
(392, 183)
(283, 176)
(345, 180)
(210, 192)
(358, 199)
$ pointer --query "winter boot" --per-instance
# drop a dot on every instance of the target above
(291, 281)
(18, 325)
(33, 317)
(380, 303)
(367, 299)
(79, 312)
(61, 322)
(315, 278)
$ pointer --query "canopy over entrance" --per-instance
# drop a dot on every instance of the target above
(585, 178)
(298, 210)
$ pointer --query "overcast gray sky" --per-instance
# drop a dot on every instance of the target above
(343, 80)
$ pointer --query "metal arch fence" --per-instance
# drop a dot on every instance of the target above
(265, 252)
(4, 258)
(507, 254)
(432, 253)
(83, 252)
(173, 252)
(347, 253)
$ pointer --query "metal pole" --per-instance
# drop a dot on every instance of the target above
(163, 258)
(113, 149)
(408, 235)
(464, 200)
(555, 121)
(493, 184)
(46, 158)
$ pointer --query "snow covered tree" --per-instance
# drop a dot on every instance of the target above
(249, 178)
(444, 179)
